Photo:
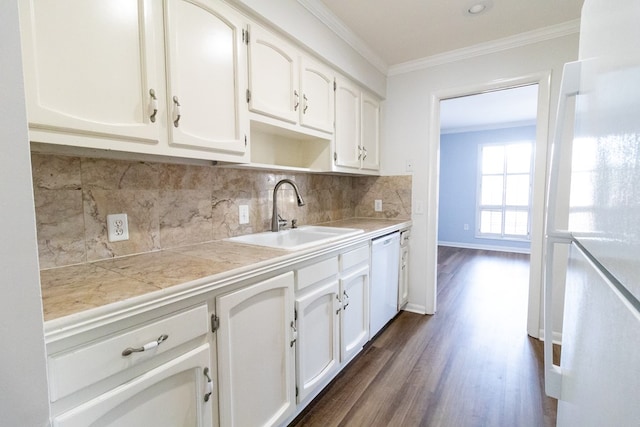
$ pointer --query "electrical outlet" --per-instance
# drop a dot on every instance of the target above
(243, 214)
(466, 227)
(377, 205)
(117, 227)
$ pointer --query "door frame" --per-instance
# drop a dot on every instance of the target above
(543, 80)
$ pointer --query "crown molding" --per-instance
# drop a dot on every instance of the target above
(519, 40)
(320, 11)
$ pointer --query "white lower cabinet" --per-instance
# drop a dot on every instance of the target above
(177, 393)
(156, 373)
(277, 343)
(318, 310)
(256, 353)
(354, 289)
(355, 313)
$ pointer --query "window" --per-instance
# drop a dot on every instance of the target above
(504, 193)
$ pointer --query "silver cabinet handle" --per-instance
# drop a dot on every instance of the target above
(148, 346)
(360, 147)
(153, 106)
(346, 298)
(297, 103)
(306, 103)
(209, 392)
(176, 111)
(294, 334)
(364, 156)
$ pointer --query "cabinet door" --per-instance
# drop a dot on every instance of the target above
(317, 346)
(355, 312)
(370, 139)
(316, 87)
(90, 68)
(170, 395)
(206, 68)
(273, 76)
(347, 129)
(256, 363)
(403, 288)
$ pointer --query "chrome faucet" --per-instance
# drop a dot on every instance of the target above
(276, 220)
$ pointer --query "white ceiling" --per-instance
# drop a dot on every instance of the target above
(491, 110)
(399, 31)
(393, 32)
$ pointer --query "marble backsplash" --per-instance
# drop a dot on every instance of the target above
(172, 205)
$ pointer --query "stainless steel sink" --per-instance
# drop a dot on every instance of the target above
(297, 238)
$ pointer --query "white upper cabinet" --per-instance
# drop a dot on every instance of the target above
(347, 136)
(206, 65)
(92, 68)
(273, 76)
(370, 131)
(97, 75)
(317, 93)
(357, 135)
(288, 85)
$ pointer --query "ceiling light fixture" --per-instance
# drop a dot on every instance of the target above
(477, 8)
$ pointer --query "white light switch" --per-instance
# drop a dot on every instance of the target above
(419, 208)
(243, 214)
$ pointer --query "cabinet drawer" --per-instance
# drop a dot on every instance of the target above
(73, 370)
(307, 276)
(354, 257)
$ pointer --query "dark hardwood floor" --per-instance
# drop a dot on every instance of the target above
(471, 364)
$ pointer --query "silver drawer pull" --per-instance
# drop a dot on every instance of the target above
(148, 346)
(209, 391)
(153, 105)
(176, 112)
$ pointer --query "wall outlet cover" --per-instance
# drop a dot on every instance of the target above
(377, 205)
(117, 227)
(243, 214)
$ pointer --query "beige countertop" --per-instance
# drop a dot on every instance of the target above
(74, 289)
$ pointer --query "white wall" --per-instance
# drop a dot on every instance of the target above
(409, 134)
(23, 379)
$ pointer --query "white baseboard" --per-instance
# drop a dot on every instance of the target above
(485, 247)
(415, 308)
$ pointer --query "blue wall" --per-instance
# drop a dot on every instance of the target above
(458, 186)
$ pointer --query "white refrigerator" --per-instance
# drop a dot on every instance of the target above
(598, 380)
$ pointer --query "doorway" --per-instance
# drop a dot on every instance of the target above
(487, 143)
(542, 80)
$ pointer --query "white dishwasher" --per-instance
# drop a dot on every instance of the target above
(385, 259)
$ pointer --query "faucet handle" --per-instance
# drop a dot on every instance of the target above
(281, 221)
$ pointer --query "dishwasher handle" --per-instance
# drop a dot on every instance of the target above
(386, 240)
